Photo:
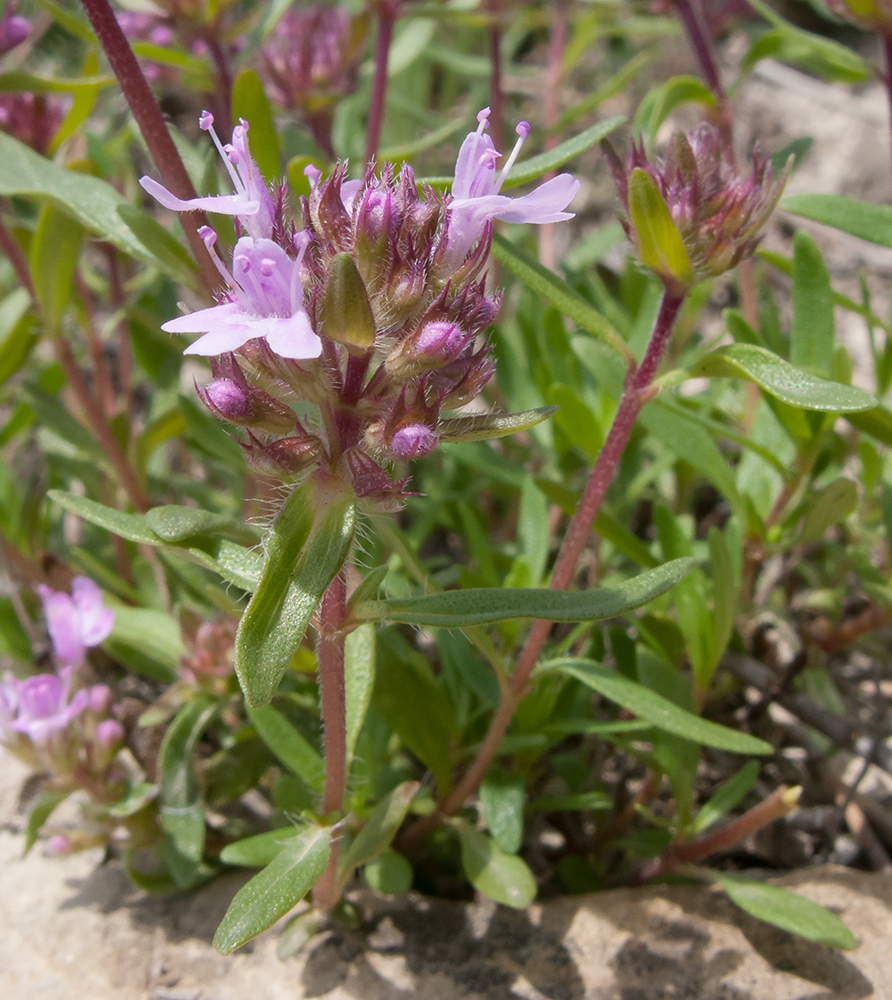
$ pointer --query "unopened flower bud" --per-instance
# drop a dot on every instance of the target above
(430, 346)
(59, 846)
(412, 441)
(109, 734)
(282, 459)
(100, 698)
(247, 406)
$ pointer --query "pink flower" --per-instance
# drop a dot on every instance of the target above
(266, 299)
(76, 622)
(252, 204)
(475, 191)
(42, 705)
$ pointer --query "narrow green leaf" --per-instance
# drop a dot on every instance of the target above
(460, 608)
(53, 259)
(782, 380)
(39, 814)
(288, 745)
(501, 803)
(182, 810)
(402, 684)
(275, 890)
(659, 243)
(877, 422)
(656, 709)
(389, 873)
(504, 878)
(88, 200)
(581, 801)
(830, 507)
(249, 102)
(258, 851)
(130, 526)
(813, 329)
(147, 640)
(173, 523)
(18, 333)
(305, 549)
(359, 680)
(172, 255)
(726, 797)
(34, 83)
(485, 426)
(789, 911)
(863, 219)
(379, 830)
(536, 166)
(553, 290)
(659, 103)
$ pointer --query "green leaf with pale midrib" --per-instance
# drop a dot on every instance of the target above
(863, 219)
(536, 166)
(90, 201)
(275, 890)
(789, 911)
(460, 608)
(782, 380)
(654, 708)
(486, 426)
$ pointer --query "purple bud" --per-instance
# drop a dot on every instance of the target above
(100, 699)
(58, 846)
(440, 339)
(109, 734)
(413, 441)
(13, 31)
(229, 400)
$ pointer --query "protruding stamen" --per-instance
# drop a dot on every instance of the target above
(483, 120)
(523, 130)
(301, 241)
(221, 149)
(209, 238)
(205, 121)
(313, 174)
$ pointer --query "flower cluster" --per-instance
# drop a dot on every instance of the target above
(691, 216)
(374, 310)
(311, 61)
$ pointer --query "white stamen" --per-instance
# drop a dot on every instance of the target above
(230, 168)
(483, 120)
(209, 238)
(523, 130)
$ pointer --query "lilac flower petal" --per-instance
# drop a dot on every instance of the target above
(263, 271)
(475, 171)
(96, 620)
(222, 204)
(204, 319)
(545, 204)
(349, 191)
(292, 337)
(63, 625)
(224, 339)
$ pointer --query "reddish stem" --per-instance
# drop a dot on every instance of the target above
(151, 124)
(635, 395)
(101, 375)
(387, 15)
(14, 253)
(333, 696)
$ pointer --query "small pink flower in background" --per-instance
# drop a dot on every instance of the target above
(475, 191)
(41, 704)
(77, 621)
(13, 29)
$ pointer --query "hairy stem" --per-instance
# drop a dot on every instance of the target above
(334, 720)
(151, 124)
(635, 395)
(387, 15)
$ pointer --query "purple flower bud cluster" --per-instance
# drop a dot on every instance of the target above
(311, 61)
(375, 310)
(718, 214)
